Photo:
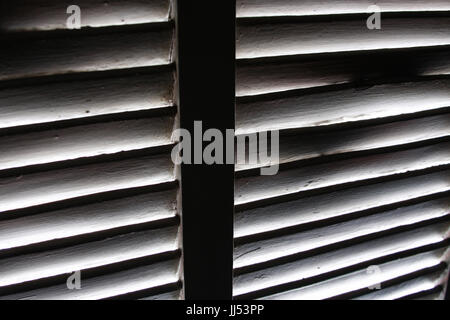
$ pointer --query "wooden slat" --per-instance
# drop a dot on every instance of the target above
(84, 53)
(407, 288)
(87, 219)
(41, 265)
(338, 259)
(256, 188)
(265, 8)
(174, 295)
(29, 15)
(315, 145)
(263, 78)
(363, 279)
(110, 285)
(62, 184)
(52, 102)
(320, 208)
(315, 238)
(341, 106)
(84, 141)
(284, 39)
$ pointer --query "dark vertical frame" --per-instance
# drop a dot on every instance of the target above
(206, 84)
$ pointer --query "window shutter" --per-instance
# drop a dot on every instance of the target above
(86, 178)
(362, 196)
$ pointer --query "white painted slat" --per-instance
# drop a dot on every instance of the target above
(325, 236)
(285, 39)
(407, 288)
(35, 266)
(363, 279)
(268, 8)
(339, 259)
(62, 184)
(342, 106)
(86, 98)
(320, 237)
(263, 78)
(256, 188)
(87, 219)
(94, 52)
(110, 285)
(321, 207)
(26, 15)
(360, 139)
(84, 141)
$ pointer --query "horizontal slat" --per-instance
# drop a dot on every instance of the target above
(339, 259)
(352, 229)
(341, 106)
(36, 266)
(174, 295)
(84, 53)
(407, 288)
(262, 78)
(29, 15)
(284, 39)
(314, 145)
(62, 184)
(322, 207)
(108, 286)
(81, 99)
(87, 219)
(84, 141)
(264, 8)
(363, 279)
(256, 188)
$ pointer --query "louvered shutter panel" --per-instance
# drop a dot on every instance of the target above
(86, 178)
(362, 196)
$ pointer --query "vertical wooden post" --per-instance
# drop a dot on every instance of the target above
(206, 76)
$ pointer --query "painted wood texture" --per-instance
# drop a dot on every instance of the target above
(322, 207)
(362, 279)
(110, 285)
(335, 260)
(272, 8)
(31, 15)
(84, 53)
(285, 39)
